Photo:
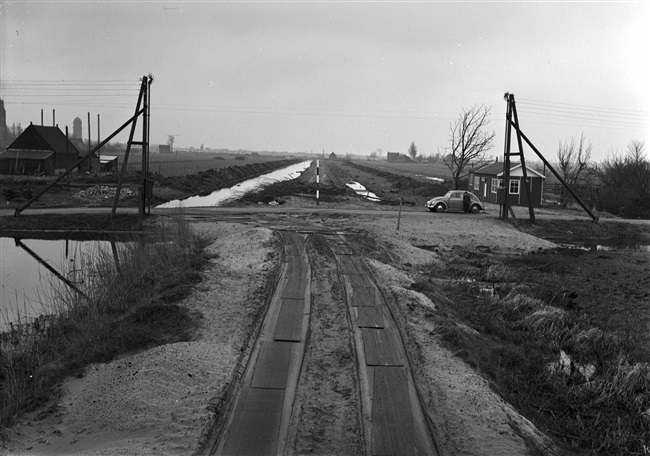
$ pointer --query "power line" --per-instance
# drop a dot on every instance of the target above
(571, 106)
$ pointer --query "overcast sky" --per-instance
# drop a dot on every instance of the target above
(349, 77)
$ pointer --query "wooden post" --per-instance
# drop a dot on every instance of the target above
(317, 181)
(90, 165)
(506, 162)
(531, 211)
(128, 148)
(399, 216)
(98, 139)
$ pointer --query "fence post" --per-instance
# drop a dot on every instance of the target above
(399, 217)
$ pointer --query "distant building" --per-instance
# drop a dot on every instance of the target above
(108, 163)
(39, 150)
(76, 128)
(332, 156)
(486, 181)
(396, 157)
(164, 149)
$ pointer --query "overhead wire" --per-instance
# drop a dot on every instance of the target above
(567, 114)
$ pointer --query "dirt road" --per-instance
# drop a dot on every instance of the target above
(176, 399)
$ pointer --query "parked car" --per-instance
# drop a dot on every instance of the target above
(453, 201)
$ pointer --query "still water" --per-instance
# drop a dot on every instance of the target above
(228, 194)
(31, 269)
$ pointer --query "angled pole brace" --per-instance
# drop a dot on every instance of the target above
(77, 163)
(555, 173)
(128, 147)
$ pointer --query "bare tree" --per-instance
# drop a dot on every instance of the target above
(468, 140)
(625, 182)
(638, 168)
(170, 142)
(573, 161)
(413, 150)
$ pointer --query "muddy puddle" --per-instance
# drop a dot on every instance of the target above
(237, 191)
(612, 247)
(360, 190)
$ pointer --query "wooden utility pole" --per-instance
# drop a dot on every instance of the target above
(512, 121)
(142, 97)
(131, 121)
(98, 136)
(90, 166)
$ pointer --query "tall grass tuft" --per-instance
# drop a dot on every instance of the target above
(124, 302)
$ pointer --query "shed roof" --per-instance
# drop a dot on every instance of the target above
(26, 154)
(496, 169)
(107, 158)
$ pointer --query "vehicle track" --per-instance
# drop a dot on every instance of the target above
(299, 388)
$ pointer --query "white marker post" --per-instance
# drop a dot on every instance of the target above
(317, 180)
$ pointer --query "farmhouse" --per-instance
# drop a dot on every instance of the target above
(485, 182)
(396, 157)
(39, 150)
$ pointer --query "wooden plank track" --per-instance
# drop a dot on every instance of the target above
(359, 281)
(342, 249)
(370, 317)
(350, 264)
(392, 421)
(259, 410)
(296, 281)
(293, 244)
(364, 297)
(381, 347)
(289, 324)
(272, 365)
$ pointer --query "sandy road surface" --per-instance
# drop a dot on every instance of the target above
(166, 400)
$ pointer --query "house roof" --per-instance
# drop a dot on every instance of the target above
(26, 154)
(39, 137)
(107, 158)
(496, 169)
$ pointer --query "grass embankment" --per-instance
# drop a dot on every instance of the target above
(562, 335)
(126, 303)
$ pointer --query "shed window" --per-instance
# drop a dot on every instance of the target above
(476, 182)
(514, 186)
(495, 184)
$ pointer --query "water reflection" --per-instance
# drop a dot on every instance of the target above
(228, 194)
(32, 269)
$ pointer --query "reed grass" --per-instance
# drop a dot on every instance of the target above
(125, 302)
(596, 400)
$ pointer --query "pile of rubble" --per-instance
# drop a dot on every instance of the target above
(104, 192)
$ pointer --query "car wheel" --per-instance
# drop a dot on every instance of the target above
(439, 207)
(474, 209)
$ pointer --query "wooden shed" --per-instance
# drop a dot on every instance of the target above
(39, 150)
(485, 182)
(396, 157)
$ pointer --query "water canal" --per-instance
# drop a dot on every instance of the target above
(228, 194)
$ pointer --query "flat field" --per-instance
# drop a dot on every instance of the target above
(172, 165)
(409, 169)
